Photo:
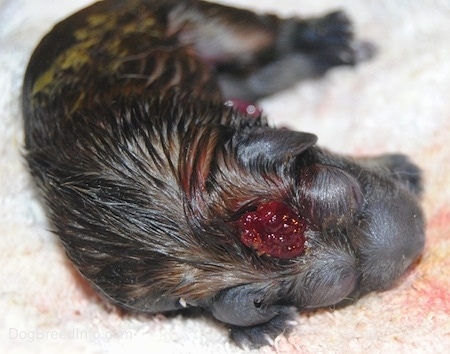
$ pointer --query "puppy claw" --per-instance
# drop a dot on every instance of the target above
(269, 340)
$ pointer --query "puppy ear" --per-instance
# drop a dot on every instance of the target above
(266, 145)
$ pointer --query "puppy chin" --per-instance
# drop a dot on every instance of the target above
(334, 291)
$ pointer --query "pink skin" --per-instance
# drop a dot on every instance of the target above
(244, 107)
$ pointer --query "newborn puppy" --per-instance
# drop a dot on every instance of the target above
(166, 198)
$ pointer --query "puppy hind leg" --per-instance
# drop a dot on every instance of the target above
(257, 55)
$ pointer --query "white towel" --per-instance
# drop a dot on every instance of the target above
(397, 102)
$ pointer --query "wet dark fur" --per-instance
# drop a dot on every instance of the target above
(145, 171)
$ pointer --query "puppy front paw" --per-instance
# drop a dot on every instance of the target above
(257, 336)
(398, 167)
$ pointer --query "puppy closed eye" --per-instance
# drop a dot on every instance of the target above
(331, 197)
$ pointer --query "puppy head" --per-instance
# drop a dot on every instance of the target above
(331, 228)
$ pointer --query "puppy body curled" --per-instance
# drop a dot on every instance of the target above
(150, 180)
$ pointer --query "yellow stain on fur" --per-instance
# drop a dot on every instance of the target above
(76, 56)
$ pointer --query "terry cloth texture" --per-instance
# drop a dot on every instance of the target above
(397, 102)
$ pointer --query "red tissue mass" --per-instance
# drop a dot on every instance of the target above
(274, 230)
